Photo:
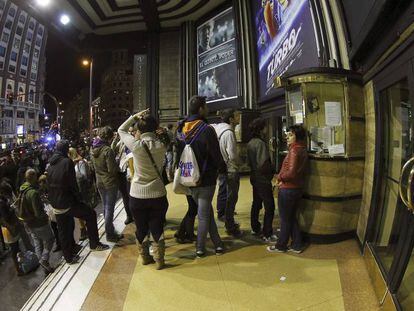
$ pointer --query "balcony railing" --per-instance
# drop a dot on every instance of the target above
(19, 104)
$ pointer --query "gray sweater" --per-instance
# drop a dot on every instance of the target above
(145, 183)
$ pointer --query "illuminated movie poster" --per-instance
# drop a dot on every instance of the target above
(217, 65)
(285, 39)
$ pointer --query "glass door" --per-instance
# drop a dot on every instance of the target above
(393, 240)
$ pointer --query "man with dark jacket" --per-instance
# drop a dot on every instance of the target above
(107, 179)
(206, 148)
(32, 213)
(261, 180)
(64, 197)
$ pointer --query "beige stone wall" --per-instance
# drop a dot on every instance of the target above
(369, 160)
(169, 76)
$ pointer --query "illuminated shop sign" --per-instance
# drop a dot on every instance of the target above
(285, 39)
(217, 58)
(20, 130)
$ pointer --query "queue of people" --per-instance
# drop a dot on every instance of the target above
(138, 161)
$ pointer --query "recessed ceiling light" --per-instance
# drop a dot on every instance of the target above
(64, 19)
(43, 2)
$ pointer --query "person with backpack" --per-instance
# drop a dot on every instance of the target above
(31, 211)
(148, 196)
(229, 183)
(9, 225)
(83, 178)
(261, 176)
(121, 156)
(65, 199)
(107, 179)
(200, 163)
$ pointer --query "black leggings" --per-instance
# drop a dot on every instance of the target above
(149, 216)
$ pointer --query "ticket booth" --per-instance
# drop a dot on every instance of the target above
(329, 104)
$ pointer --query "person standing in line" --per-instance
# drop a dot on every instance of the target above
(34, 217)
(290, 183)
(148, 196)
(107, 179)
(261, 176)
(121, 153)
(65, 199)
(210, 161)
(229, 183)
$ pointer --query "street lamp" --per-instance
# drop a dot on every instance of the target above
(89, 63)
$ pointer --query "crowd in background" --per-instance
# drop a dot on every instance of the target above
(43, 191)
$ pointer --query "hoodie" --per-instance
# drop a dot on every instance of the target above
(228, 146)
(33, 206)
(61, 182)
(104, 163)
(206, 149)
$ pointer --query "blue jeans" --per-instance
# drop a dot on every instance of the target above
(108, 197)
(43, 240)
(203, 196)
(288, 204)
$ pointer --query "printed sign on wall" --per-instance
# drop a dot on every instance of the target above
(285, 39)
(217, 59)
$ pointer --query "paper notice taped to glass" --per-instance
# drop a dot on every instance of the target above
(299, 118)
(336, 149)
(333, 114)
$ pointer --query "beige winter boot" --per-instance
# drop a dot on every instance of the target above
(158, 250)
(143, 250)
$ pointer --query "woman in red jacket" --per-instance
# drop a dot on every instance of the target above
(290, 183)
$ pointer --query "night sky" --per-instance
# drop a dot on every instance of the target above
(65, 75)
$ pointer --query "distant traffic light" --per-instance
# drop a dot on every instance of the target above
(10, 98)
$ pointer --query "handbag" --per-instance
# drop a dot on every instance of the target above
(163, 176)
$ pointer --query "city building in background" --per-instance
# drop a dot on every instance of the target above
(22, 73)
(116, 90)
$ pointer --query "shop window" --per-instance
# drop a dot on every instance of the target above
(20, 114)
(16, 43)
(19, 30)
(13, 56)
(8, 24)
(5, 37)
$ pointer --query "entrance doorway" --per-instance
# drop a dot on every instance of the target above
(392, 237)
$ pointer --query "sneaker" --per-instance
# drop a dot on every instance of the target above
(295, 250)
(128, 221)
(274, 249)
(200, 254)
(273, 238)
(256, 234)
(75, 259)
(46, 266)
(236, 233)
(76, 249)
(219, 251)
(270, 239)
(115, 239)
(100, 247)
